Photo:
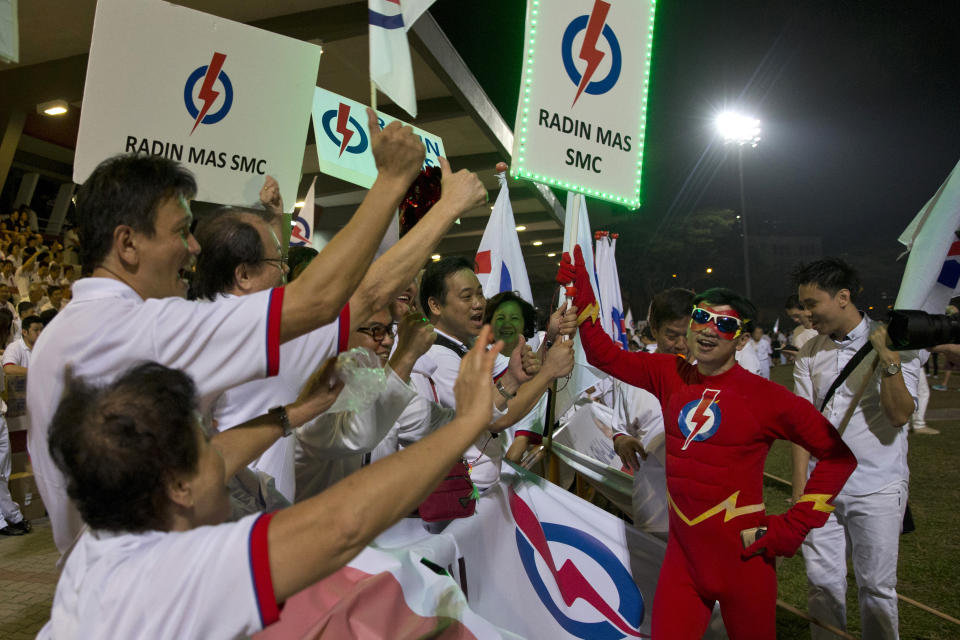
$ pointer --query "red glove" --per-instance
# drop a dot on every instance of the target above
(581, 291)
(779, 540)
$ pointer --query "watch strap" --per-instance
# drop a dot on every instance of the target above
(281, 413)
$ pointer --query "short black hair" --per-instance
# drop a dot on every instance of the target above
(434, 282)
(829, 274)
(30, 320)
(24, 304)
(118, 446)
(125, 189)
(47, 316)
(529, 313)
(228, 240)
(297, 256)
(793, 302)
(670, 305)
(741, 304)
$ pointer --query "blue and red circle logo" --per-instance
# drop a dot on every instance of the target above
(211, 74)
(299, 233)
(533, 538)
(347, 127)
(699, 419)
(590, 53)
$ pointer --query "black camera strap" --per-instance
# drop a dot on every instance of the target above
(457, 348)
(845, 373)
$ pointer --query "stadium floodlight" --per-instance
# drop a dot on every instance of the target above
(738, 128)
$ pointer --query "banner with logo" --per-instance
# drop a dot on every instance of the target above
(302, 222)
(543, 563)
(343, 141)
(583, 98)
(229, 101)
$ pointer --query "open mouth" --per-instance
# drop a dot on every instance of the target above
(705, 343)
(477, 318)
(185, 274)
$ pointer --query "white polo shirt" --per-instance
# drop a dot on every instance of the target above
(108, 328)
(748, 359)
(331, 447)
(434, 375)
(209, 582)
(17, 353)
(880, 447)
(299, 358)
(801, 336)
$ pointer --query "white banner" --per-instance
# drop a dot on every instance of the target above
(583, 99)
(229, 101)
(343, 141)
(9, 32)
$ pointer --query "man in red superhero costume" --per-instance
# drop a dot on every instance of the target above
(720, 421)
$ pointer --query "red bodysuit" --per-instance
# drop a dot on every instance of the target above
(718, 432)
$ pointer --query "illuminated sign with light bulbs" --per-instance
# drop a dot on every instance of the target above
(583, 98)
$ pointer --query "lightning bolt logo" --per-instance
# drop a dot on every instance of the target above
(591, 312)
(588, 50)
(728, 508)
(207, 94)
(819, 501)
(570, 581)
(343, 117)
(701, 420)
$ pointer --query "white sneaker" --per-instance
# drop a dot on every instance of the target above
(927, 431)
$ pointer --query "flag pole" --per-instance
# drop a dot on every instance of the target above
(373, 95)
(553, 470)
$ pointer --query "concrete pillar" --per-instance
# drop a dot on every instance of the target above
(27, 186)
(12, 124)
(60, 208)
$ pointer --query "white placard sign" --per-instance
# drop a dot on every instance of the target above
(583, 98)
(343, 140)
(229, 101)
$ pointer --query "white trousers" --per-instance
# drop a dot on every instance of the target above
(871, 524)
(9, 510)
(918, 419)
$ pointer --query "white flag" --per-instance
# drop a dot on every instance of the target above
(584, 376)
(499, 263)
(301, 231)
(390, 66)
(413, 9)
(611, 304)
(932, 275)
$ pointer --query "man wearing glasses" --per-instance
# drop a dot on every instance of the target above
(334, 445)
(242, 256)
(719, 422)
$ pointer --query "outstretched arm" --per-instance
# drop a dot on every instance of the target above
(318, 536)
(317, 296)
(388, 276)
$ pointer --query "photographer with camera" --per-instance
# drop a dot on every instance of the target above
(868, 392)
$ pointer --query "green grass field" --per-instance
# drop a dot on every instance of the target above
(929, 565)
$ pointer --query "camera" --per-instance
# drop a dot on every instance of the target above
(922, 330)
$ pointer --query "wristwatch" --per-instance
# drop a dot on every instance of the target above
(281, 414)
(503, 391)
(891, 369)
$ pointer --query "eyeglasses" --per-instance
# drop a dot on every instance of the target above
(378, 331)
(279, 263)
(724, 324)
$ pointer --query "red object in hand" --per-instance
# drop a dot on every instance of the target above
(420, 197)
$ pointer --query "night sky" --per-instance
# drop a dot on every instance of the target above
(860, 104)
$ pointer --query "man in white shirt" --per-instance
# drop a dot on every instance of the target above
(871, 409)
(334, 445)
(242, 256)
(16, 357)
(804, 330)
(135, 223)
(158, 562)
(7, 303)
(638, 436)
(763, 348)
(452, 299)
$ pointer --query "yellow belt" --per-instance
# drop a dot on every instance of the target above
(729, 506)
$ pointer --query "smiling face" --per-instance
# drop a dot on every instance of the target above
(708, 345)
(363, 336)
(168, 256)
(507, 323)
(798, 316)
(832, 315)
(406, 302)
(461, 312)
(671, 337)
